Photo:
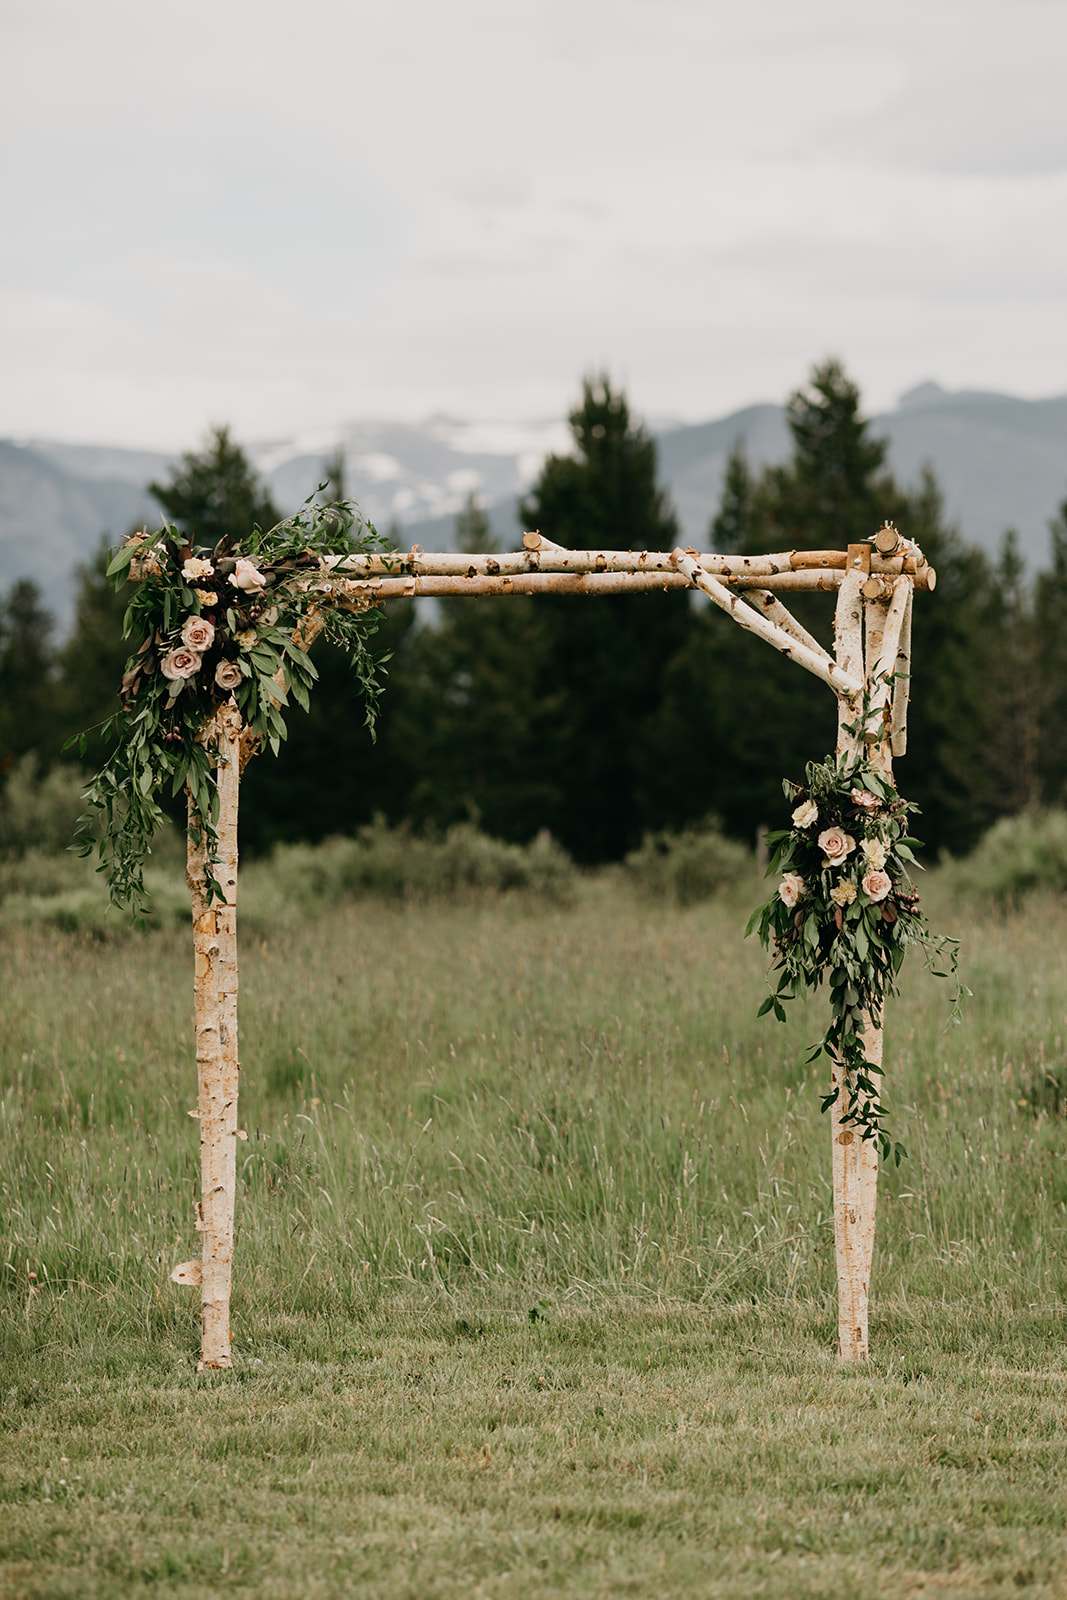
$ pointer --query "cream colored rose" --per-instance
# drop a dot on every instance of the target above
(247, 577)
(198, 634)
(876, 851)
(865, 800)
(843, 893)
(180, 663)
(207, 597)
(805, 814)
(195, 567)
(246, 638)
(835, 845)
(877, 884)
(228, 675)
(790, 889)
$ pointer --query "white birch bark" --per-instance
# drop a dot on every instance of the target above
(773, 609)
(215, 995)
(546, 557)
(831, 672)
(855, 1160)
(883, 649)
(367, 591)
(898, 724)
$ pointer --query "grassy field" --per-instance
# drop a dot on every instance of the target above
(534, 1290)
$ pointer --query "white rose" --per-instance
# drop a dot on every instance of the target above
(876, 851)
(843, 893)
(195, 567)
(805, 814)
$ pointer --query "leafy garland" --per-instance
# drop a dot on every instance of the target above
(846, 909)
(213, 626)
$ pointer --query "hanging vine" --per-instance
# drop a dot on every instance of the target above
(846, 909)
(211, 626)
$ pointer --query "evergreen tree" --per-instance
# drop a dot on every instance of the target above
(28, 713)
(730, 524)
(476, 709)
(1050, 610)
(602, 663)
(215, 494)
(92, 659)
(760, 717)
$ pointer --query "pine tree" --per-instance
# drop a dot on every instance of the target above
(603, 661)
(93, 656)
(475, 710)
(215, 494)
(28, 712)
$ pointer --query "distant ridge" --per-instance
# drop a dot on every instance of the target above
(1001, 462)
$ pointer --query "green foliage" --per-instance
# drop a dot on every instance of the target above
(212, 627)
(91, 660)
(846, 911)
(398, 863)
(598, 668)
(1017, 856)
(38, 811)
(694, 864)
(214, 495)
(27, 689)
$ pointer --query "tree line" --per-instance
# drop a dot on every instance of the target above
(603, 719)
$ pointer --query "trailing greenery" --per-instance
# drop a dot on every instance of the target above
(845, 909)
(212, 625)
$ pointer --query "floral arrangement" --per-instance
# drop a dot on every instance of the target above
(213, 626)
(845, 909)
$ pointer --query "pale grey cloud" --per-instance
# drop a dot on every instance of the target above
(288, 214)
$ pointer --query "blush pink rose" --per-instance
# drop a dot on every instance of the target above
(180, 663)
(835, 845)
(228, 675)
(790, 889)
(247, 577)
(198, 634)
(877, 884)
(865, 800)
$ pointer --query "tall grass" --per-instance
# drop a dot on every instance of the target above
(534, 1287)
(572, 1102)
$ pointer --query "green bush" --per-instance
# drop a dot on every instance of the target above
(1018, 854)
(689, 866)
(37, 814)
(401, 864)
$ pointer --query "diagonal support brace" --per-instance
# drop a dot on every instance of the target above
(819, 663)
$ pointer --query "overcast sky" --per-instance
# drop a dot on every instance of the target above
(286, 215)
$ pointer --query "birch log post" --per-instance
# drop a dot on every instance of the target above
(215, 992)
(855, 1160)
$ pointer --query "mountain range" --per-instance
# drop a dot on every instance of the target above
(1001, 462)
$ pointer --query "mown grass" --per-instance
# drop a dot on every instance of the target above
(534, 1289)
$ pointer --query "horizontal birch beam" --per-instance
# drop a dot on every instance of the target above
(540, 555)
(819, 663)
(374, 590)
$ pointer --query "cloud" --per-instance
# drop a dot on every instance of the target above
(997, 122)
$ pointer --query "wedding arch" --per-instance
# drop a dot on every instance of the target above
(224, 636)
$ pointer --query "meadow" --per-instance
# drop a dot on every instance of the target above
(534, 1287)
